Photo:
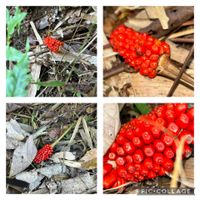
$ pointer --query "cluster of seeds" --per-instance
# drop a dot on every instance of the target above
(43, 154)
(53, 44)
(145, 147)
(140, 50)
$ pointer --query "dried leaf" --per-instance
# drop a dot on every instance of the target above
(86, 135)
(12, 143)
(33, 178)
(66, 155)
(15, 131)
(158, 12)
(107, 61)
(111, 123)
(23, 156)
(89, 160)
(182, 33)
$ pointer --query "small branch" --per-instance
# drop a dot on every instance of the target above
(176, 82)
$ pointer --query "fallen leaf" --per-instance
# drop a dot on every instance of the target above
(23, 156)
(15, 131)
(111, 123)
(158, 12)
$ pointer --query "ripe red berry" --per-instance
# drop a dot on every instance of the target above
(43, 154)
(121, 170)
(130, 167)
(106, 168)
(138, 156)
(155, 132)
(168, 165)
(120, 151)
(147, 137)
(167, 140)
(187, 151)
(129, 159)
(151, 175)
(158, 158)
(169, 153)
(129, 148)
(113, 147)
(148, 150)
(112, 156)
(137, 141)
(121, 140)
(173, 128)
(120, 161)
(159, 145)
(148, 163)
(183, 120)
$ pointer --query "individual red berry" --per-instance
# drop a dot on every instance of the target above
(151, 175)
(130, 167)
(129, 177)
(137, 141)
(159, 145)
(112, 156)
(170, 115)
(148, 163)
(190, 113)
(158, 158)
(129, 159)
(155, 132)
(136, 174)
(121, 140)
(129, 148)
(106, 168)
(156, 167)
(144, 171)
(161, 121)
(167, 140)
(113, 147)
(138, 156)
(180, 108)
(147, 137)
(173, 128)
(162, 171)
(168, 165)
(120, 161)
(129, 134)
(183, 120)
(138, 166)
(188, 134)
(43, 154)
(122, 172)
(169, 153)
(187, 151)
(149, 150)
(120, 151)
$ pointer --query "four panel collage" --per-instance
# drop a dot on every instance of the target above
(52, 52)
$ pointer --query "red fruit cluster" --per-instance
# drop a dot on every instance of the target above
(140, 50)
(145, 147)
(53, 44)
(43, 154)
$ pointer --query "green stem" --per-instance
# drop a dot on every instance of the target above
(54, 144)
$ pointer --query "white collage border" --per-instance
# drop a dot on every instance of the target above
(100, 100)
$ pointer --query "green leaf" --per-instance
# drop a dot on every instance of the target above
(50, 83)
(143, 108)
(13, 54)
(13, 22)
(17, 79)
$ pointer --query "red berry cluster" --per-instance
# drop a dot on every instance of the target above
(43, 154)
(140, 50)
(53, 44)
(145, 147)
